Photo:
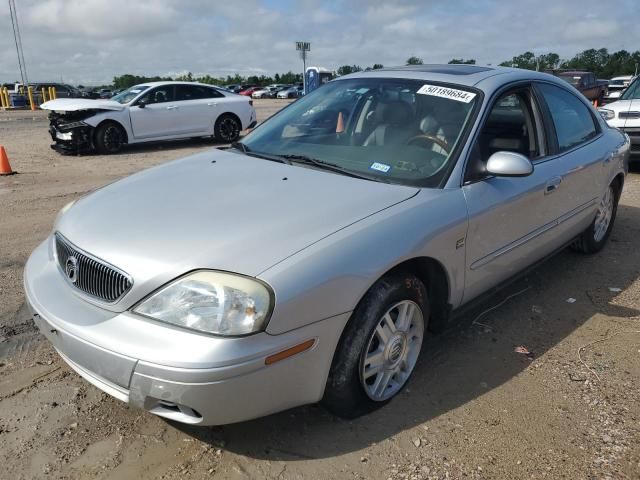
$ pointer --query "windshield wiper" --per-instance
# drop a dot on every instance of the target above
(305, 160)
(247, 151)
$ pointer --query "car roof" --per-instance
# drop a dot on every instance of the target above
(465, 75)
(157, 84)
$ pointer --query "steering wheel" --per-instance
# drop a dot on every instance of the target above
(430, 138)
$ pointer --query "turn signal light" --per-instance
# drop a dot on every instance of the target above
(289, 352)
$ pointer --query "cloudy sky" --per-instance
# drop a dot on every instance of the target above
(90, 41)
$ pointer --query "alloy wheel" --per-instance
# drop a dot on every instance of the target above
(604, 215)
(392, 351)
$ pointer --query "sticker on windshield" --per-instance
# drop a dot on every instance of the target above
(445, 92)
(380, 167)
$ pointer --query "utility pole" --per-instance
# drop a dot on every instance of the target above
(304, 48)
(18, 40)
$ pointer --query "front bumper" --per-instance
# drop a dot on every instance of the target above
(634, 136)
(177, 374)
(71, 141)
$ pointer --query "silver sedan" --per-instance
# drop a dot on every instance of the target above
(308, 262)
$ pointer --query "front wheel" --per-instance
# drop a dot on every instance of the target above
(379, 348)
(594, 238)
(109, 138)
(227, 128)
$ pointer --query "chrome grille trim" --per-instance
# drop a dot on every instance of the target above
(94, 277)
(631, 114)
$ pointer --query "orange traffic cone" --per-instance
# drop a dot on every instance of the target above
(5, 168)
(340, 124)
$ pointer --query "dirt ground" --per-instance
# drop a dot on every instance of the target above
(475, 408)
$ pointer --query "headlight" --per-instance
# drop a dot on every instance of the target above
(607, 114)
(211, 302)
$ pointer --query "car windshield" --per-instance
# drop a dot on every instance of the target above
(391, 130)
(129, 94)
(633, 91)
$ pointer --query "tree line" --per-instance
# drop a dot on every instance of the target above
(598, 61)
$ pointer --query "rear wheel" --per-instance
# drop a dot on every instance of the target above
(596, 235)
(109, 138)
(379, 347)
(227, 128)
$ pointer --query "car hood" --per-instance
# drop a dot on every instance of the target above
(217, 210)
(622, 105)
(76, 104)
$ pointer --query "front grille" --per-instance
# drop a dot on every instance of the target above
(89, 274)
(629, 115)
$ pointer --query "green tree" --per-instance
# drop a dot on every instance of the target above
(347, 69)
(460, 61)
(414, 61)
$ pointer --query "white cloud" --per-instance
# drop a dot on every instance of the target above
(90, 41)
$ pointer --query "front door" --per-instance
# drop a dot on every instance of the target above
(510, 218)
(158, 117)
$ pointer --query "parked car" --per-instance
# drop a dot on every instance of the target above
(616, 86)
(62, 91)
(308, 261)
(104, 93)
(266, 92)
(291, 92)
(248, 91)
(625, 115)
(586, 83)
(148, 112)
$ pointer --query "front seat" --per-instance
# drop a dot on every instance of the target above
(395, 127)
(159, 97)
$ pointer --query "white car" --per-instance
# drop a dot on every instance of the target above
(617, 86)
(148, 112)
(625, 115)
(266, 92)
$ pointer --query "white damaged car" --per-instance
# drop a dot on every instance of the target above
(148, 112)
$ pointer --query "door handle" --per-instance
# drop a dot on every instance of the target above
(211, 104)
(172, 107)
(552, 185)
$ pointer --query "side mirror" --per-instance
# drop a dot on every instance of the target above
(509, 164)
(142, 103)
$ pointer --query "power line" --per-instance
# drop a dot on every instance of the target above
(18, 41)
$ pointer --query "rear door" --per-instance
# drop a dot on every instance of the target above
(158, 118)
(579, 160)
(198, 109)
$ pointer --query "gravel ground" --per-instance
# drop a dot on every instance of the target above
(474, 409)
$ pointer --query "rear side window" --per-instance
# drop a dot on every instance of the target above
(572, 119)
(195, 92)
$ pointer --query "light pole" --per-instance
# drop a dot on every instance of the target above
(304, 48)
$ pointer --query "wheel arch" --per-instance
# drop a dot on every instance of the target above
(433, 274)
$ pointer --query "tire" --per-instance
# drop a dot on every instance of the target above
(355, 386)
(227, 128)
(109, 138)
(594, 238)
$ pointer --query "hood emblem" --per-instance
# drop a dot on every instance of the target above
(71, 269)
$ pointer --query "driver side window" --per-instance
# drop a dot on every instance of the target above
(160, 95)
(510, 126)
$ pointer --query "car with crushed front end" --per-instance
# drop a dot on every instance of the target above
(310, 261)
(148, 112)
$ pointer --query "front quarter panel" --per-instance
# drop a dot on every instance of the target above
(331, 276)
